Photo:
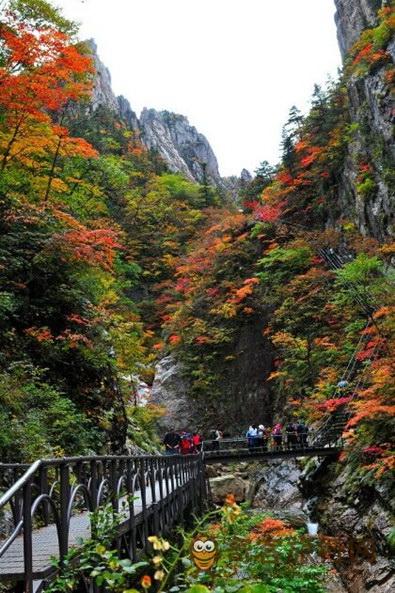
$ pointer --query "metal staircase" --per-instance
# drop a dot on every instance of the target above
(334, 424)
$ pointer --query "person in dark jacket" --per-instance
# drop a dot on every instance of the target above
(302, 432)
(292, 435)
(172, 442)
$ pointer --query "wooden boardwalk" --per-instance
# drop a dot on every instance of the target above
(51, 502)
(149, 495)
(46, 542)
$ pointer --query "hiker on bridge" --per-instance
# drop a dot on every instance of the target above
(252, 436)
(292, 435)
(186, 444)
(217, 435)
(262, 437)
(197, 442)
(277, 436)
(172, 442)
(302, 433)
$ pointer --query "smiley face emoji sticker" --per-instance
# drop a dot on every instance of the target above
(204, 552)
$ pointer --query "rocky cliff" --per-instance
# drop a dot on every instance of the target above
(181, 146)
(371, 106)
(352, 17)
(103, 95)
(358, 516)
(244, 395)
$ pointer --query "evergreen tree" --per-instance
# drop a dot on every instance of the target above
(290, 135)
(207, 192)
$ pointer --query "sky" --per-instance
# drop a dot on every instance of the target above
(233, 67)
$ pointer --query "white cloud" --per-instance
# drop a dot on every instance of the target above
(233, 67)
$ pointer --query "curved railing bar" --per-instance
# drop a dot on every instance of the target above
(11, 538)
(122, 481)
(52, 489)
(45, 498)
(87, 498)
(136, 479)
(152, 482)
(103, 483)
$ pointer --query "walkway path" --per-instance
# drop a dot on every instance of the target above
(150, 495)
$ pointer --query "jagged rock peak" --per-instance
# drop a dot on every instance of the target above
(245, 176)
(180, 144)
(352, 17)
(102, 90)
(182, 147)
(127, 114)
(103, 95)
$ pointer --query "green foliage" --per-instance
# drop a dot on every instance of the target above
(142, 427)
(367, 188)
(363, 277)
(97, 560)
(39, 421)
(382, 35)
(281, 263)
(42, 14)
(267, 562)
(391, 540)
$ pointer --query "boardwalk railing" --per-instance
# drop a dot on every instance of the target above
(289, 445)
(47, 508)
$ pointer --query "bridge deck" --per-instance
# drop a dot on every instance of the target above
(245, 454)
(45, 540)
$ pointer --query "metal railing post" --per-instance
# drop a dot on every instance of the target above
(28, 537)
(63, 515)
(143, 492)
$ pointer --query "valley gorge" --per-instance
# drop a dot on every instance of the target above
(141, 291)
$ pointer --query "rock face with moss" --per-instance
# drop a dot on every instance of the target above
(362, 512)
(367, 181)
(352, 17)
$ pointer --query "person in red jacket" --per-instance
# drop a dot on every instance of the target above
(186, 444)
(197, 442)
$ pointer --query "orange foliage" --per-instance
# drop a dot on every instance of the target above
(96, 247)
(272, 527)
(369, 409)
(42, 72)
(41, 334)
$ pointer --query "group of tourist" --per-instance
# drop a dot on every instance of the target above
(294, 434)
(184, 443)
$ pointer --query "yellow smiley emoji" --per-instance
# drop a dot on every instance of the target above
(204, 552)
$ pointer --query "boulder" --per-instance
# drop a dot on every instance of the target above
(276, 487)
(221, 486)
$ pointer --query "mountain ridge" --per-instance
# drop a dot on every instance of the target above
(180, 144)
